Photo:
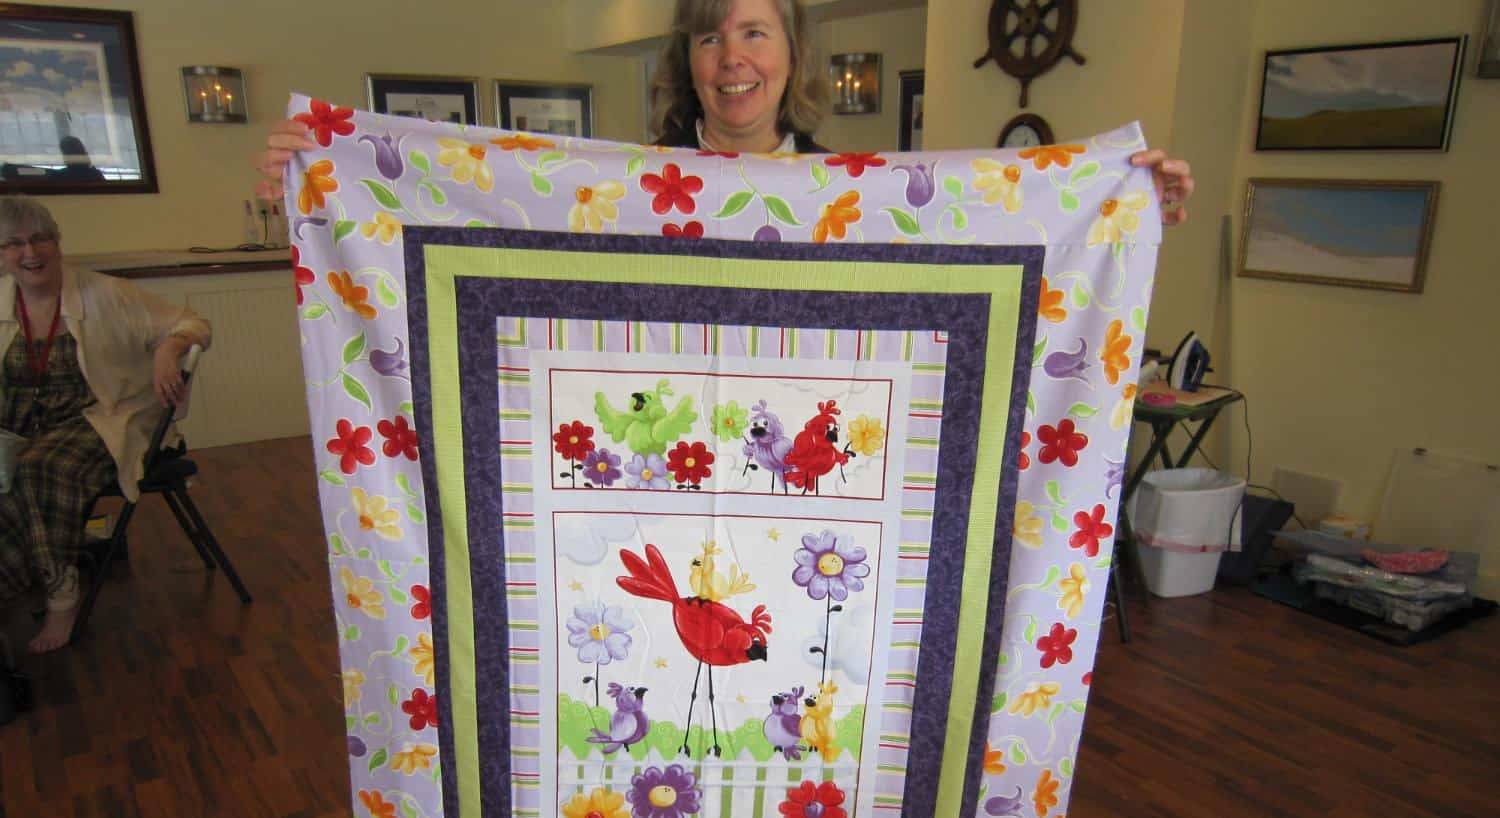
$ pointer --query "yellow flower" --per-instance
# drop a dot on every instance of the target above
(1000, 184)
(601, 803)
(865, 435)
(1116, 343)
(414, 757)
(315, 182)
(1117, 218)
(994, 760)
(422, 657)
(1124, 408)
(467, 161)
(361, 595)
(1074, 586)
(523, 141)
(375, 514)
(353, 683)
(385, 228)
(1028, 526)
(594, 206)
(1035, 697)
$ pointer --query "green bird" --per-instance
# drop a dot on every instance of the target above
(646, 426)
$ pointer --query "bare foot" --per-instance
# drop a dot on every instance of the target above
(57, 628)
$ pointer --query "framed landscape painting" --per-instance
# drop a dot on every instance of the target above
(437, 99)
(1377, 96)
(557, 109)
(1353, 233)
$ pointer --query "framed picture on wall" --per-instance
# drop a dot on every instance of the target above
(559, 109)
(442, 99)
(1348, 232)
(72, 116)
(912, 85)
(1376, 96)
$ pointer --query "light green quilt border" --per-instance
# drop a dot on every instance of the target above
(446, 263)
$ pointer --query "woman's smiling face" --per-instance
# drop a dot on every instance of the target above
(740, 72)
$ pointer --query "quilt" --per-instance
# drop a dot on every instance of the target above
(663, 483)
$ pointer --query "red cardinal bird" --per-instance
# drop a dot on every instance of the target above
(813, 453)
(712, 632)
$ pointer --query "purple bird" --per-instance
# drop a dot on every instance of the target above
(768, 445)
(783, 728)
(629, 724)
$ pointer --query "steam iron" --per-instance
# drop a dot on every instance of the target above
(1189, 364)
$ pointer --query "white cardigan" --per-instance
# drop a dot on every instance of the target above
(117, 326)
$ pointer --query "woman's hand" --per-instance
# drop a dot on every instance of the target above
(286, 138)
(166, 377)
(1174, 183)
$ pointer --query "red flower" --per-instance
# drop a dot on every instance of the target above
(855, 163)
(352, 446)
(324, 121)
(422, 708)
(399, 438)
(1088, 678)
(573, 440)
(691, 230)
(1057, 645)
(423, 608)
(303, 275)
(690, 464)
(1062, 443)
(809, 800)
(1091, 529)
(724, 154)
(1025, 459)
(672, 189)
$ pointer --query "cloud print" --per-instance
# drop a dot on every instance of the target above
(585, 539)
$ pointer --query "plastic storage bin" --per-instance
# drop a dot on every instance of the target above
(1183, 520)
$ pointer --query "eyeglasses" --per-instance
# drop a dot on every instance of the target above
(36, 240)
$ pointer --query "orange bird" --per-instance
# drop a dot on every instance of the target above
(712, 632)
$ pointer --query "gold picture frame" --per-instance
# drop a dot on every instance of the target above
(1371, 234)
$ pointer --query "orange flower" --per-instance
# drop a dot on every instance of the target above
(315, 182)
(836, 218)
(994, 760)
(1050, 305)
(355, 297)
(1045, 797)
(1044, 155)
(523, 141)
(1116, 343)
(376, 804)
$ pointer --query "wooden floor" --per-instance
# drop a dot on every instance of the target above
(181, 703)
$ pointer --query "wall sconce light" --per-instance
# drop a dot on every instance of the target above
(856, 83)
(214, 94)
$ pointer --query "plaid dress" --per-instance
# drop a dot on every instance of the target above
(57, 475)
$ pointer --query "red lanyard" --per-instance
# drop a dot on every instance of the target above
(37, 360)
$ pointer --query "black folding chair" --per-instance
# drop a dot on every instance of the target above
(167, 473)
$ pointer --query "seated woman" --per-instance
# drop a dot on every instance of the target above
(89, 361)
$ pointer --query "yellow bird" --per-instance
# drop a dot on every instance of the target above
(817, 722)
(706, 581)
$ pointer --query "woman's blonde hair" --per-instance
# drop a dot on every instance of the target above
(674, 101)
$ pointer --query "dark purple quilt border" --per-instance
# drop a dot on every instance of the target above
(481, 300)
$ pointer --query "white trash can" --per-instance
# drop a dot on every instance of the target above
(1184, 520)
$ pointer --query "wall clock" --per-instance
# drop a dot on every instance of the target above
(1025, 131)
(1032, 22)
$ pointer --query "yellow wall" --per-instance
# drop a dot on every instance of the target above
(900, 39)
(1132, 52)
(204, 170)
(1338, 378)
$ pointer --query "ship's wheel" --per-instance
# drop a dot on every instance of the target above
(1029, 37)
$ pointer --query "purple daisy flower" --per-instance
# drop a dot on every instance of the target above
(829, 565)
(647, 472)
(601, 467)
(669, 793)
(599, 633)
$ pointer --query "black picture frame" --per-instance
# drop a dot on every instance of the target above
(441, 99)
(1405, 102)
(557, 109)
(913, 84)
(75, 118)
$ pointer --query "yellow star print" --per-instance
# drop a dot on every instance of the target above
(773, 535)
(575, 585)
(741, 698)
(661, 662)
